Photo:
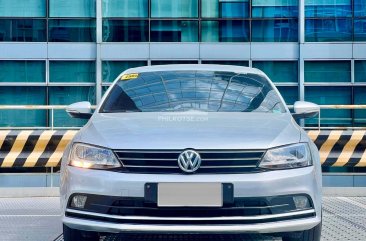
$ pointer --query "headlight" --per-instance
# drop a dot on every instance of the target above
(86, 156)
(286, 157)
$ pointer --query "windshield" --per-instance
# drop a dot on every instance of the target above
(208, 91)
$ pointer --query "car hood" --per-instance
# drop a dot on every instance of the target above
(195, 130)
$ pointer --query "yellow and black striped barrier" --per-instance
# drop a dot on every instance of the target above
(33, 148)
(341, 148)
(45, 148)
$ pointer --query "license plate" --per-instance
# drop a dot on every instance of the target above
(190, 195)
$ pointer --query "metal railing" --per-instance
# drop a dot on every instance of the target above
(334, 107)
(52, 108)
(338, 107)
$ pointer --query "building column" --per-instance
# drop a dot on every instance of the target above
(301, 43)
(98, 61)
(301, 58)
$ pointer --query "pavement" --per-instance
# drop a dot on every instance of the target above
(38, 219)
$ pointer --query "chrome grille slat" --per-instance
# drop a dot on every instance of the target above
(227, 166)
(147, 159)
(166, 161)
(231, 151)
(259, 217)
(231, 159)
(131, 166)
(179, 151)
(146, 151)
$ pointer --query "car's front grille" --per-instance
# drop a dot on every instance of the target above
(213, 161)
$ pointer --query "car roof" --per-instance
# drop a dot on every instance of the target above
(195, 67)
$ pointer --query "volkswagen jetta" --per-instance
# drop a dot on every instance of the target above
(191, 149)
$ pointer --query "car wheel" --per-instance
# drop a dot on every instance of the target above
(71, 234)
(307, 235)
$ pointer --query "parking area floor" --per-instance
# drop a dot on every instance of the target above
(38, 219)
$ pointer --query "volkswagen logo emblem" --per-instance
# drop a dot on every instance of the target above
(189, 161)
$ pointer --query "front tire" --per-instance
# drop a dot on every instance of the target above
(313, 234)
(71, 234)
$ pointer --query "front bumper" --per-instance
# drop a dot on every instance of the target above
(274, 227)
(274, 183)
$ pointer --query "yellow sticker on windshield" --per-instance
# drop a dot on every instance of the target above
(129, 76)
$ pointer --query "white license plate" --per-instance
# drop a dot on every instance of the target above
(190, 195)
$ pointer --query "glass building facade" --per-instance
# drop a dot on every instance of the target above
(56, 52)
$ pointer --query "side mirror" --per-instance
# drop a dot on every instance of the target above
(81, 110)
(305, 109)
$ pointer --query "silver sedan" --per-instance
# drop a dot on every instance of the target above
(192, 149)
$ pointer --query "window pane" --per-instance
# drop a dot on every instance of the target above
(174, 9)
(327, 71)
(125, 31)
(281, 30)
(328, 8)
(360, 99)
(360, 30)
(125, 8)
(72, 8)
(162, 62)
(111, 69)
(360, 71)
(104, 89)
(72, 71)
(225, 31)
(225, 8)
(22, 71)
(65, 95)
(174, 31)
(23, 30)
(234, 9)
(71, 30)
(279, 71)
(359, 8)
(275, 8)
(227, 62)
(210, 8)
(29, 8)
(16, 95)
(289, 93)
(324, 30)
(330, 96)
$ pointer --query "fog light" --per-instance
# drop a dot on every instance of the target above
(78, 201)
(301, 202)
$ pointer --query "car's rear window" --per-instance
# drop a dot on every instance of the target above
(208, 91)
